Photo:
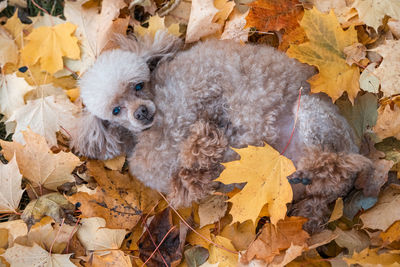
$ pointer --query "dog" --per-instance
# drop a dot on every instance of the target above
(176, 113)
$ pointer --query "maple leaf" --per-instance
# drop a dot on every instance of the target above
(9, 50)
(94, 236)
(10, 191)
(35, 256)
(49, 45)
(275, 239)
(388, 71)
(155, 24)
(45, 116)
(119, 198)
(12, 91)
(38, 164)
(240, 234)
(265, 172)
(220, 256)
(371, 257)
(373, 11)
(325, 50)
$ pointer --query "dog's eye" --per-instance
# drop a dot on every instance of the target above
(116, 110)
(139, 86)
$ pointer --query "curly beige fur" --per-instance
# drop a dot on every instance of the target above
(208, 98)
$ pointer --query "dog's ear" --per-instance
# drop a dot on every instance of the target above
(96, 138)
(163, 46)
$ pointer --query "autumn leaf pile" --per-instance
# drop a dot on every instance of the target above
(57, 209)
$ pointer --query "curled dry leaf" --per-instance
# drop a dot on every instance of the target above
(119, 198)
(325, 50)
(36, 257)
(98, 239)
(274, 240)
(38, 164)
(10, 190)
(266, 172)
(54, 205)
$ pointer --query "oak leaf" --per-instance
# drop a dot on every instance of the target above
(265, 172)
(10, 190)
(274, 240)
(12, 91)
(49, 45)
(119, 198)
(388, 71)
(45, 116)
(38, 164)
(373, 11)
(36, 257)
(98, 239)
(325, 51)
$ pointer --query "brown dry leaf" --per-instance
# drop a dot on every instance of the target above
(288, 256)
(9, 50)
(240, 234)
(115, 164)
(337, 212)
(394, 26)
(54, 205)
(385, 212)
(119, 198)
(388, 122)
(391, 234)
(36, 257)
(321, 238)
(275, 240)
(325, 50)
(212, 209)
(355, 53)
(388, 71)
(15, 229)
(98, 239)
(265, 170)
(353, 240)
(372, 257)
(10, 190)
(38, 164)
(172, 247)
(373, 11)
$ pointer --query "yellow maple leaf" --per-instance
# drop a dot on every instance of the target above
(327, 41)
(221, 256)
(265, 172)
(49, 45)
(156, 23)
(372, 257)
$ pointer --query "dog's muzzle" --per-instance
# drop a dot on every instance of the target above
(143, 115)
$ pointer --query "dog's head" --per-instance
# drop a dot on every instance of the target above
(117, 94)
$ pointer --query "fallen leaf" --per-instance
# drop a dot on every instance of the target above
(353, 240)
(368, 80)
(337, 212)
(391, 148)
(355, 53)
(45, 116)
(36, 257)
(201, 20)
(362, 115)
(155, 24)
(265, 172)
(10, 191)
(235, 27)
(373, 11)
(172, 246)
(195, 239)
(276, 239)
(212, 209)
(290, 254)
(392, 234)
(385, 212)
(220, 255)
(38, 164)
(371, 257)
(196, 256)
(388, 122)
(12, 91)
(115, 164)
(54, 205)
(98, 239)
(388, 71)
(325, 50)
(49, 45)
(342, 9)
(15, 229)
(321, 238)
(17, 29)
(355, 202)
(114, 258)
(394, 26)
(240, 234)
(9, 50)
(119, 198)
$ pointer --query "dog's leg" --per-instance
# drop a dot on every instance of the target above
(200, 156)
(329, 175)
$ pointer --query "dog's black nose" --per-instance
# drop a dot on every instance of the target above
(141, 113)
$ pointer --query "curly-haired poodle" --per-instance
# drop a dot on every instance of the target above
(176, 113)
